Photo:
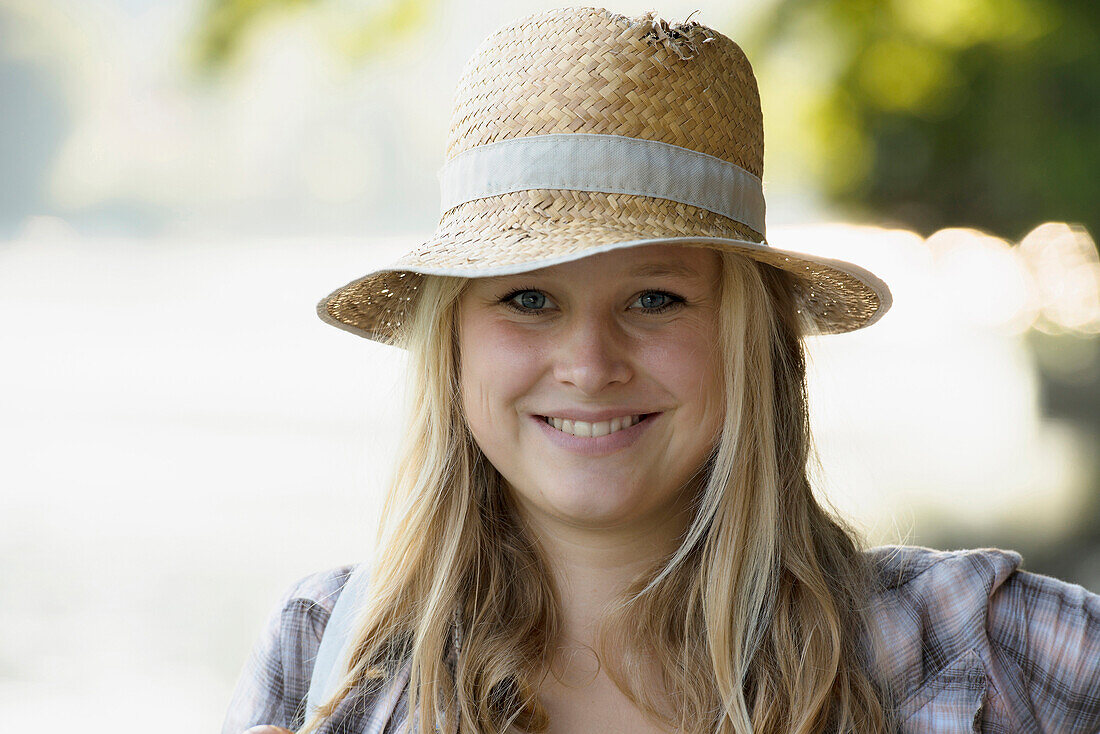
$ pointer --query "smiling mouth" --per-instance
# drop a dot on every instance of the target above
(585, 429)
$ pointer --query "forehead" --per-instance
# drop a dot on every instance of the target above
(651, 261)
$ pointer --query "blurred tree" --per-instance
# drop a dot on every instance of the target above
(358, 30)
(928, 114)
(936, 113)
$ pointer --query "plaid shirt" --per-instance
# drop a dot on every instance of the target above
(974, 644)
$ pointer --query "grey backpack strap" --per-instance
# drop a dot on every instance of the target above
(332, 656)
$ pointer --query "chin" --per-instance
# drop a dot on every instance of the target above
(592, 506)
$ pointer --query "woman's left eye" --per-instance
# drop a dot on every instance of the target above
(656, 301)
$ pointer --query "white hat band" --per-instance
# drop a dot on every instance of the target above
(612, 164)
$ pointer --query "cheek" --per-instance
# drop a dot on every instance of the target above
(691, 368)
(495, 372)
(688, 364)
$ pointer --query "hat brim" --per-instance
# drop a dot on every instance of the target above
(838, 296)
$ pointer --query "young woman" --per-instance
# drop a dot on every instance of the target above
(601, 520)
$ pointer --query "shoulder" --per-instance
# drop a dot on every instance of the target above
(915, 569)
(969, 633)
(930, 606)
(316, 594)
(1044, 637)
(301, 615)
(964, 585)
(273, 685)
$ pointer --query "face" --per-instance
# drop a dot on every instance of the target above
(594, 386)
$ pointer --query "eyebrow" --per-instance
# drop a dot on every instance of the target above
(660, 270)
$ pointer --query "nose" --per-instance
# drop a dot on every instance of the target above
(592, 354)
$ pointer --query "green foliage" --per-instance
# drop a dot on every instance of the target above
(224, 23)
(934, 113)
(357, 30)
(383, 24)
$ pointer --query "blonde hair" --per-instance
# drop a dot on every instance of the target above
(757, 622)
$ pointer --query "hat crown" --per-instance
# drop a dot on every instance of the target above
(568, 138)
(588, 70)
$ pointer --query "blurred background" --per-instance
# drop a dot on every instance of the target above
(182, 180)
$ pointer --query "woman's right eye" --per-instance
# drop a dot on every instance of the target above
(526, 300)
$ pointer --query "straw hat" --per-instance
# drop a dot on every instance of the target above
(577, 131)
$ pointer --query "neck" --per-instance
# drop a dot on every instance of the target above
(592, 568)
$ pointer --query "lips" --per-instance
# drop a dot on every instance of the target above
(632, 426)
(594, 429)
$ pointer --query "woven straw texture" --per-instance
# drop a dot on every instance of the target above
(587, 70)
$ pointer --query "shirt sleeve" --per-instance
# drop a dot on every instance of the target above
(273, 685)
(1045, 639)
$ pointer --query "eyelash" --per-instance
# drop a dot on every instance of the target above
(674, 301)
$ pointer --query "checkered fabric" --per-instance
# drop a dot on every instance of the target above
(974, 644)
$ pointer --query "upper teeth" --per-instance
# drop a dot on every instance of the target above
(602, 428)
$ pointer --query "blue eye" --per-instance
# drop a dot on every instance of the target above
(657, 301)
(532, 299)
(526, 300)
(653, 300)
